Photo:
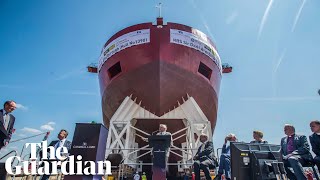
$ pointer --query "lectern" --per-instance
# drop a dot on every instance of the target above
(160, 145)
(89, 141)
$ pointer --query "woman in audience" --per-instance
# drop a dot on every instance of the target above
(257, 136)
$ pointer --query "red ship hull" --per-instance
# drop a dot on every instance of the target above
(159, 73)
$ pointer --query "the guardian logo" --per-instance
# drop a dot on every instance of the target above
(56, 159)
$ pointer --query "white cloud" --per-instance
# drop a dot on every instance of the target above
(51, 123)
(22, 107)
(31, 130)
(72, 73)
(21, 135)
(47, 127)
(232, 17)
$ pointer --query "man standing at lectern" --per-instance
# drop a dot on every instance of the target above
(163, 131)
(7, 122)
(204, 158)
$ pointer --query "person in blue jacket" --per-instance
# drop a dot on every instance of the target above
(225, 163)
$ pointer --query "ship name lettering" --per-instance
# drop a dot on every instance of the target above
(177, 40)
(194, 46)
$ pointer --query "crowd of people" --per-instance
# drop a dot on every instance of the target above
(295, 148)
(295, 152)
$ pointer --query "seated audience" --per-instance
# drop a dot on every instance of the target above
(225, 163)
(295, 152)
(257, 136)
(204, 158)
(315, 141)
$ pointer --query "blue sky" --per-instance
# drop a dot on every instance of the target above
(272, 45)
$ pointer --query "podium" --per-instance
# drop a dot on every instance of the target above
(160, 145)
(89, 141)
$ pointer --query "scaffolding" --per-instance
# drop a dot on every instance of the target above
(123, 131)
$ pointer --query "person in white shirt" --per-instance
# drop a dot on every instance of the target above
(163, 130)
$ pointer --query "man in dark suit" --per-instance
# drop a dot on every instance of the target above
(7, 122)
(204, 158)
(163, 131)
(225, 163)
(315, 140)
(295, 152)
(61, 142)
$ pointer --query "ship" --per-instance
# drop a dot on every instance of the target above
(158, 73)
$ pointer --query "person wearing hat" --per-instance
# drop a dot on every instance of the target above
(225, 163)
(204, 158)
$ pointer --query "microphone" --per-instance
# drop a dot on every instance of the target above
(155, 132)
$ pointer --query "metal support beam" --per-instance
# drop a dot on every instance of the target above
(123, 132)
